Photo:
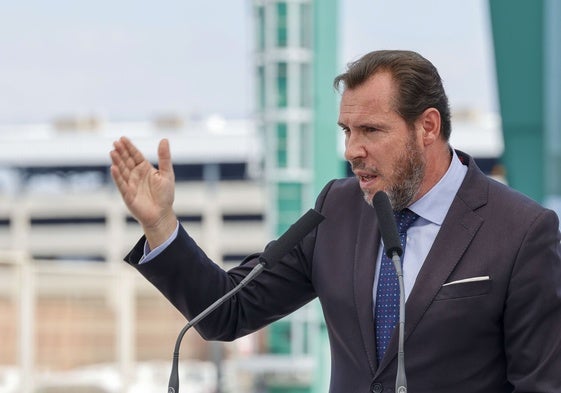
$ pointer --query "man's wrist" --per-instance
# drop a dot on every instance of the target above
(159, 233)
(150, 254)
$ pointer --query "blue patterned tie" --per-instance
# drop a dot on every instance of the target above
(387, 294)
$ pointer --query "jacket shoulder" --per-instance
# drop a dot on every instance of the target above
(338, 190)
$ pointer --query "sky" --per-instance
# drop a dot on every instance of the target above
(136, 60)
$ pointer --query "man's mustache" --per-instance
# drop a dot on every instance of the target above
(360, 165)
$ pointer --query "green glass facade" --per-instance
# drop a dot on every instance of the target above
(527, 42)
(284, 67)
(296, 61)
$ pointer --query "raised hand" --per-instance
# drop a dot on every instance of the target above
(147, 192)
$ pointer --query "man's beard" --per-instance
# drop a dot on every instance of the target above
(406, 178)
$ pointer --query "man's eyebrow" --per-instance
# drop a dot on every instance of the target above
(364, 126)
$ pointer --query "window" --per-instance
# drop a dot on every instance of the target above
(305, 145)
(282, 85)
(305, 85)
(305, 26)
(260, 11)
(282, 25)
(289, 205)
(282, 145)
(261, 87)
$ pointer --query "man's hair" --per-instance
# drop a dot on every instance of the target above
(419, 85)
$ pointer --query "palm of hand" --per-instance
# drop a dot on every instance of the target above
(148, 192)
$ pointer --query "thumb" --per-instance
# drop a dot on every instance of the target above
(164, 158)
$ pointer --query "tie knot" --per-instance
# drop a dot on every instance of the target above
(404, 219)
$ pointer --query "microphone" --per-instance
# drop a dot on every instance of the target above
(290, 238)
(272, 254)
(388, 229)
(386, 223)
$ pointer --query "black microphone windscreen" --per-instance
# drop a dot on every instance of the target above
(386, 223)
(277, 249)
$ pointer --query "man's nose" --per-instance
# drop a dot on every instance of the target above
(354, 146)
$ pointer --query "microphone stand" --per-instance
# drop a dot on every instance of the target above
(272, 254)
(173, 385)
(400, 379)
(388, 230)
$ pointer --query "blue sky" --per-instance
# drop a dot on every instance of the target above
(134, 60)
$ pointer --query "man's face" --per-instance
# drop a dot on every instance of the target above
(383, 151)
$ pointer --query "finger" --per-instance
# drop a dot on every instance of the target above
(165, 165)
(119, 165)
(121, 155)
(121, 184)
(116, 158)
(116, 175)
(131, 151)
(125, 151)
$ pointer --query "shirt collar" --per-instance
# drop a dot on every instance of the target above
(434, 205)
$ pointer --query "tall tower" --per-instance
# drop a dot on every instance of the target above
(284, 64)
(296, 61)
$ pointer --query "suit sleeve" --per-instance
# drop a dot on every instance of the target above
(191, 282)
(532, 316)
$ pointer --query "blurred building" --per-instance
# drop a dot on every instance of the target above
(69, 306)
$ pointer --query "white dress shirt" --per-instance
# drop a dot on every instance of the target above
(431, 208)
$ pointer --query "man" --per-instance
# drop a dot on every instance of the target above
(482, 266)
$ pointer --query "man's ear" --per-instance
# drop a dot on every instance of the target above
(430, 124)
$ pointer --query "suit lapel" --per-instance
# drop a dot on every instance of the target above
(457, 232)
(364, 269)
(454, 237)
